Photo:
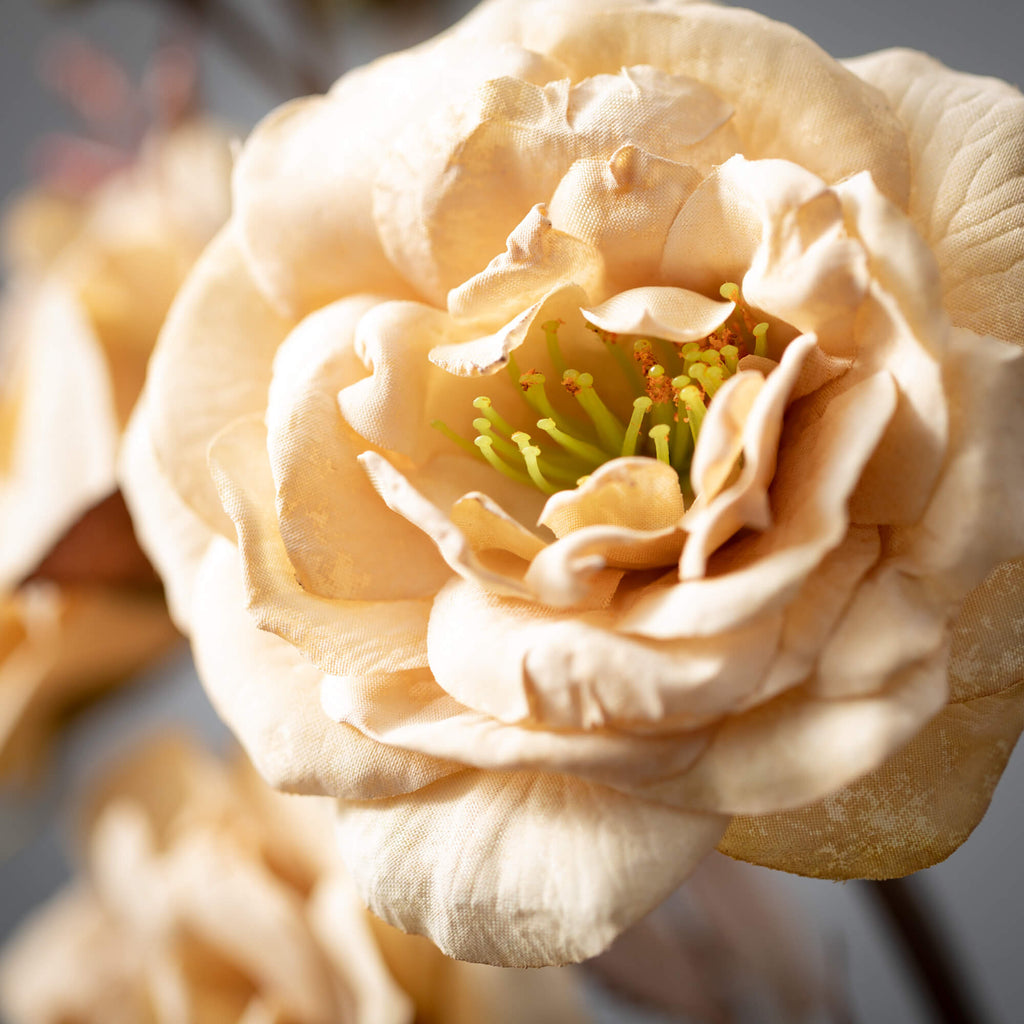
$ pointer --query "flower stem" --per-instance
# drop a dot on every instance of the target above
(902, 902)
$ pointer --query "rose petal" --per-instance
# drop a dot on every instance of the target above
(793, 749)
(818, 467)
(269, 696)
(213, 364)
(335, 530)
(624, 207)
(513, 829)
(968, 182)
(518, 663)
(671, 313)
(512, 142)
(337, 635)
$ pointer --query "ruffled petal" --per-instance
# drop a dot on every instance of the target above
(454, 186)
(573, 670)
(516, 833)
(968, 172)
(213, 364)
(338, 536)
(790, 97)
(269, 695)
(820, 459)
(671, 313)
(337, 635)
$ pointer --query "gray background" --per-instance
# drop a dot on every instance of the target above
(977, 893)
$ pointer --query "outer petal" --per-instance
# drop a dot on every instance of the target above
(58, 428)
(520, 663)
(967, 162)
(339, 636)
(792, 99)
(269, 696)
(339, 538)
(212, 364)
(516, 832)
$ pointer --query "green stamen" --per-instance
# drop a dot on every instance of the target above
(730, 356)
(760, 342)
(609, 429)
(452, 436)
(550, 329)
(690, 399)
(641, 406)
(484, 404)
(486, 446)
(530, 455)
(659, 435)
(588, 452)
(486, 429)
(535, 395)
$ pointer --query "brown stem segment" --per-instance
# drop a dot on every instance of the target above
(935, 967)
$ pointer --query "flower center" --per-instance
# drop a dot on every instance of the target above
(673, 384)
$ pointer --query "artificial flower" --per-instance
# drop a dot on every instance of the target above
(594, 439)
(213, 900)
(91, 277)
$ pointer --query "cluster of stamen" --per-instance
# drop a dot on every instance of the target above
(674, 385)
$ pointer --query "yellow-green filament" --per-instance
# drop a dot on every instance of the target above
(641, 406)
(609, 429)
(567, 474)
(485, 428)
(659, 435)
(691, 401)
(626, 364)
(535, 395)
(730, 356)
(452, 436)
(484, 404)
(689, 354)
(550, 329)
(760, 342)
(588, 452)
(531, 455)
(486, 446)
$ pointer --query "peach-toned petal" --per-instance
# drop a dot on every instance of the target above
(973, 520)
(791, 100)
(515, 832)
(820, 461)
(269, 696)
(908, 814)
(624, 206)
(337, 635)
(173, 537)
(512, 142)
(58, 432)
(212, 365)
(968, 173)
(518, 663)
(413, 713)
(537, 259)
(672, 313)
(635, 493)
(750, 426)
(338, 536)
(793, 749)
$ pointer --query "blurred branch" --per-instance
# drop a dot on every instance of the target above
(934, 964)
(286, 74)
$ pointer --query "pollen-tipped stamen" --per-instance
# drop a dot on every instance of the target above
(590, 453)
(690, 400)
(535, 395)
(730, 356)
(486, 406)
(485, 428)
(486, 446)
(609, 429)
(760, 341)
(659, 435)
(641, 406)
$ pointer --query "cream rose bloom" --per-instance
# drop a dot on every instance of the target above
(90, 281)
(210, 899)
(614, 228)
